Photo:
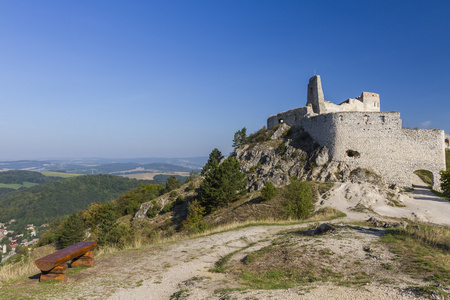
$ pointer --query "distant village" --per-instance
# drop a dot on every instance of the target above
(9, 242)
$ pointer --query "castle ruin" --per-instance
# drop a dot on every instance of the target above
(357, 133)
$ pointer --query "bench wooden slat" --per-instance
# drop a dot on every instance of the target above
(50, 261)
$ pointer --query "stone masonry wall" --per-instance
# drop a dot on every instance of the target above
(447, 140)
(377, 142)
(290, 117)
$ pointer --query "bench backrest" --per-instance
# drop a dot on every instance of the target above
(50, 261)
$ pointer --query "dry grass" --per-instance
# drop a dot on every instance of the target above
(24, 267)
(435, 236)
(15, 271)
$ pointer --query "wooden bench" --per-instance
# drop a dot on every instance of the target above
(54, 267)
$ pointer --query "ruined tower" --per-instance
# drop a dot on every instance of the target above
(315, 95)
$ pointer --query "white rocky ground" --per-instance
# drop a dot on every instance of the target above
(420, 204)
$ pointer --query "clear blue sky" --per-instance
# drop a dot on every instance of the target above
(178, 78)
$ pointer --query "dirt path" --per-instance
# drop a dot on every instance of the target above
(184, 268)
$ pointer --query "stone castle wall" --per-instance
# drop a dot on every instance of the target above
(447, 140)
(357, 133)
(372, 140)
(376, 141)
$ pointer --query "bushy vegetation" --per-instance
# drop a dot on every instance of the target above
(100, 219)
(193, 222)
(223, 184)
(269, 191)
(260, 136)
(298, 199)
(445, 183)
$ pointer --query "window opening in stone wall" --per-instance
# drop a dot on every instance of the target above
(352, 153)
(280, 121)
(341, 118)
(382, 119)
(366, 119)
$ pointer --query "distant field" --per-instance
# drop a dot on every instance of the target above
(17, 186)
(59, 174)
(150, 176)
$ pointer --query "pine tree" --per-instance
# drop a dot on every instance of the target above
(240, 138)
(172, 183)
(214, 159)
(223, 185)
(72, 231)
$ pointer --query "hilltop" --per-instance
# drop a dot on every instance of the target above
(378, 240)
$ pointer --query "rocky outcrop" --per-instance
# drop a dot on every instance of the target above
(288, 152)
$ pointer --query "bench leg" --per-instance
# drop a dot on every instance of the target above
(86, 260)
(57, 273)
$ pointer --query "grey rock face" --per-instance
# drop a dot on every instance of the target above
(289, 152)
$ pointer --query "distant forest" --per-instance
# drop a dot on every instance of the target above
(19, 177)
(47, 201)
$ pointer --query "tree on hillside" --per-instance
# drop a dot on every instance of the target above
(222, 185)
(172, 183)
(72, 231)
(240, 138)
(214, 159)
(298, 199)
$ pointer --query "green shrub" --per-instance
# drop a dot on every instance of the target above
(298, 199)
(168, 207)
(268, 192)
(154, 210)
(445, 183)
(288, 132)
(281, 149)
(259, 136)
(191, 186)
(173, 194)
(180, 200)
(151, 213)
(193, 222)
